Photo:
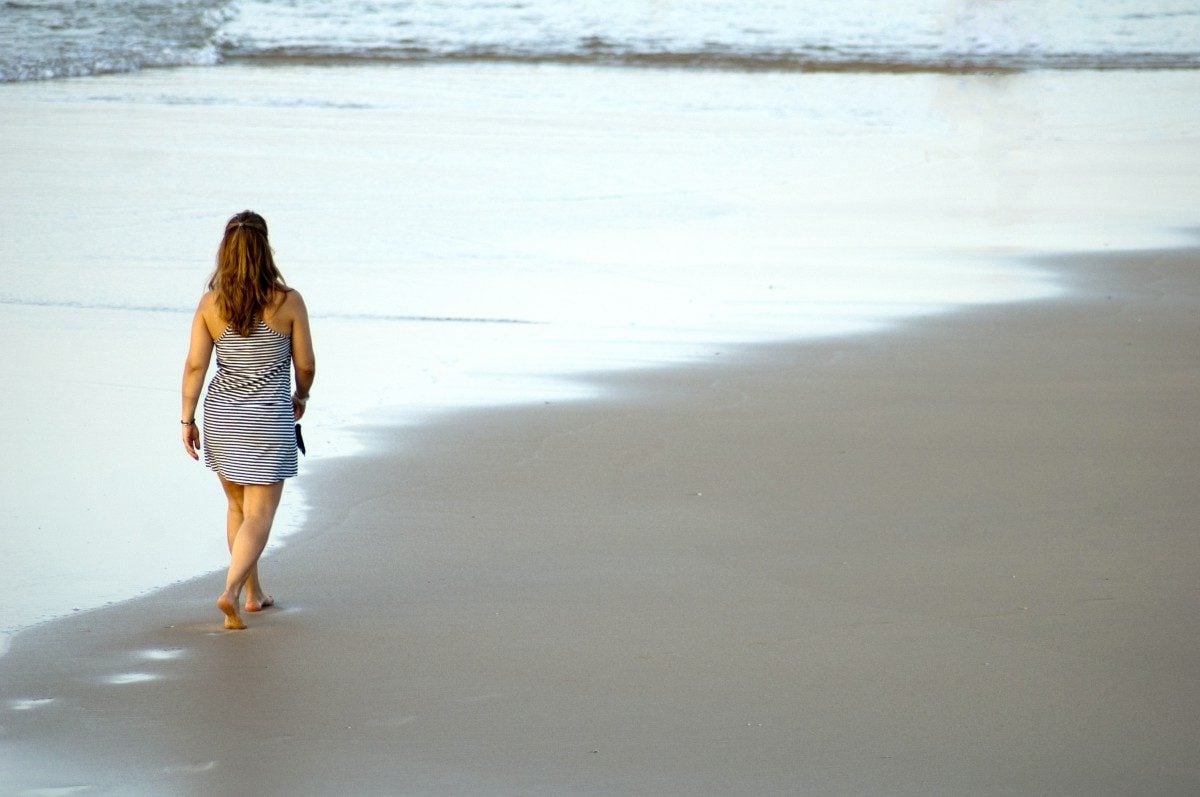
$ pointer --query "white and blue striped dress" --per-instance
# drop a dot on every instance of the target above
(249, 431)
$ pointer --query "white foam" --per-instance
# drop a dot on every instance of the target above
(28, 704)
(130, 678)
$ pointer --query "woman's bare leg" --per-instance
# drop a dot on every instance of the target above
(256, 599)
(258, 505)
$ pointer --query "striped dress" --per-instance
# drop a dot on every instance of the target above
(249, 431)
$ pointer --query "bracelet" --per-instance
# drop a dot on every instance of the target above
(301, 400)
(192, 422)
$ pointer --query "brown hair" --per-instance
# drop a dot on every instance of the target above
(246, 278)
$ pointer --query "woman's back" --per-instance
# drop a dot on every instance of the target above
(254, 367)
(248, 415)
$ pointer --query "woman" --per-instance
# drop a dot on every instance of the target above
(259, 326)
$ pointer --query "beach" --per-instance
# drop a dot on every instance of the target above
(957, 558)
(475, 235)
(674, 432)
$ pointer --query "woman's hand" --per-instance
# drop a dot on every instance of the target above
(191, 440)
(298, 406)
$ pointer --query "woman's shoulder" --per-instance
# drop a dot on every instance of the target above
(289, 300)
(208, 310)
(208, 303)
(286, 306)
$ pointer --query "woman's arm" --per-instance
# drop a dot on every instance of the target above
(304, 361)
(194, 368)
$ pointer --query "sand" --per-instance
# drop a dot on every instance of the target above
(953, 556)
(957, 558)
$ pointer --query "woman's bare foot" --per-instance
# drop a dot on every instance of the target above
(229, 608)
(257, 604)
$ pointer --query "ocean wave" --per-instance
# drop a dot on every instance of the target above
(725, 59)
(715, 59)
(94, 37)
(45, 40)
(104, 64)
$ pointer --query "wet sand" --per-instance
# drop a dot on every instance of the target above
(957, 558)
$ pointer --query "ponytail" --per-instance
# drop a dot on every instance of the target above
(246, 276)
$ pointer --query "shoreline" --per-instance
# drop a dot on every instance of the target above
(931, 559)
(633, 216)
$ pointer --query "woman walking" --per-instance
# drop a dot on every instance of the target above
(259, 328)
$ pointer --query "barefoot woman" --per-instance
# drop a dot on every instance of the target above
(259, 327)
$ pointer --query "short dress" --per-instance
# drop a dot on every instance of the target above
(249, 428)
